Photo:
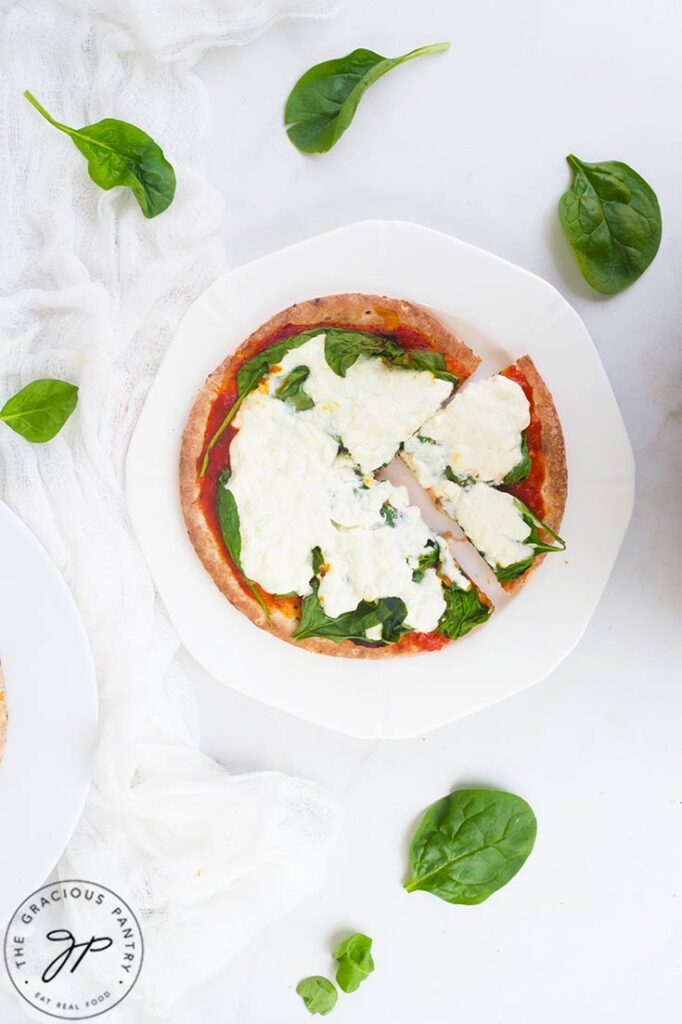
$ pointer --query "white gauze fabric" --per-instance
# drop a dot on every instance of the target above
(91, 292)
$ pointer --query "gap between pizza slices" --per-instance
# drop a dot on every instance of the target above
(279, 485)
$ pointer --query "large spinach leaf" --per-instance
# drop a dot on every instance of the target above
(323, 102)
(318, 994)
(119, 153)
(463, 610)
(387, 612)
(343, 348)
(39, 411)
(228, 518)
(470, 844)
(354, 957)
(612, 220)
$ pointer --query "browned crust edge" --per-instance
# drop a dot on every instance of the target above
(555, 485)
(354, 309)
(3, 715)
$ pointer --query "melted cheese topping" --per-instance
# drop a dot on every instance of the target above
(479, 433)
(373, 409)
(489, 518)
(295, 492)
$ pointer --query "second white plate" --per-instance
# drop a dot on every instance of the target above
(503, 312)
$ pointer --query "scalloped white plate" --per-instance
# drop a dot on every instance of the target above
(52, 704)
(503, 312)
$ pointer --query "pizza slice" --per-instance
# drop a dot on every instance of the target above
(494, 460)
(278, 479)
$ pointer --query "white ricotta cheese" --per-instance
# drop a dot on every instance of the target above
(479, 433)
(489, 518)
(373, 409)
(294, 493)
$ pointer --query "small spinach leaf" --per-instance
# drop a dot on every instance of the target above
(507, 573)
(290, 390)
(228, 518)
(318, 994)
(39, 411)
(354, 957)
(612, 220)
(463, 610)
(423, 439)
(461, 481)
(522, 468)
(470, 844)
(429, 560)
(119, 153)
(389, 513)
(323, 101)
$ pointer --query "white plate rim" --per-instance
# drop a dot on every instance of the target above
(374, 699)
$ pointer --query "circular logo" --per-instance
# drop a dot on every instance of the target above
(73, 949)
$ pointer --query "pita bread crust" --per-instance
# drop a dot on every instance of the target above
(350, 310)
(554, 488)
(3, 715)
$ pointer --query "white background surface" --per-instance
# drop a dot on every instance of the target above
(473, 143)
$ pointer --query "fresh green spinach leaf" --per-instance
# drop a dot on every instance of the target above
(463, 610)
(318, 994)
(343, 348)
(612, 220)
(523, 467)
(507, 573)
(354, 957)
(323, 102)
(119, 153)
(228, 519)
(470, 844)
(423, 439)
(388, 612)
(389, 513)
(290, 390)
(39, 411)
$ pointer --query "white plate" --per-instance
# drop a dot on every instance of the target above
(503, 312)
(52, 704)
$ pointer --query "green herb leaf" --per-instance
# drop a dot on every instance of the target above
(389, 513)
(429, 560)
(39, 411)
(507, 573)
(228, 518)
(318, 561)
(463, 610)
(462, 481)
(512, 572)
(290, 389)
(119, 153)
(470, 844)
(318, 994)
(523, 467)
(426, 440)
(343, 348)
(612, 220)
(389, 612)
(354, 957)
(323, 102)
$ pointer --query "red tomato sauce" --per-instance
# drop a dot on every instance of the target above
(219, 458)
(529, 491)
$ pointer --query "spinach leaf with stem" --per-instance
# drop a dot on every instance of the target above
(612, 220)
(228, 518)
(323, 101)
(290, 390)
(119, 153)
(318, 994)
(471, 843)
(354, 957)
(507, 573)
(39, 411)
(388, 612)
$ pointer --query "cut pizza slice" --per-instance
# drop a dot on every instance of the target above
(494, 460)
